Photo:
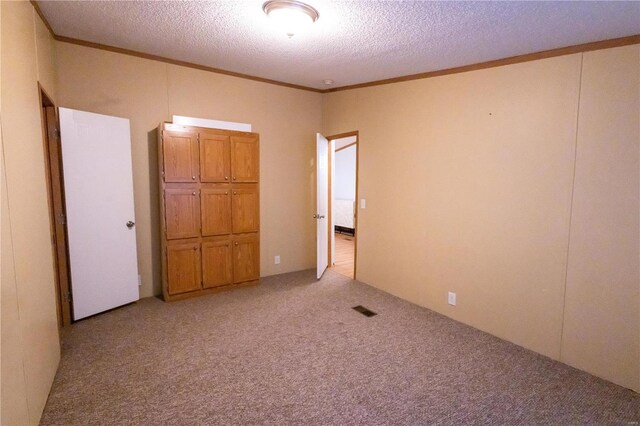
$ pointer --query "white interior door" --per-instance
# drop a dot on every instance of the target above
(98, 185)
(322, 209)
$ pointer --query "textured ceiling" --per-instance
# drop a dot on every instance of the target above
(352, 42)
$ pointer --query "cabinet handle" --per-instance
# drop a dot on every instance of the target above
(234, 178)
(193, 178)
(236, 243)
(226, 178)
(235, 193)
(193, 193)
(226, 192)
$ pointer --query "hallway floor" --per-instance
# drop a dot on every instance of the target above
(345, 252)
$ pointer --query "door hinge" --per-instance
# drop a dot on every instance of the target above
(55, 134)
(67, 297)
(62, 220)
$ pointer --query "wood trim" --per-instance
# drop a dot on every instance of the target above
(569, 50)
(343, 135)
(55, 198)
(180, 63)
(346, 146)
(356, 230)
(36, 6)
(330, 229)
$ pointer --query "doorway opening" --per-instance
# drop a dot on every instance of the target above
(57, 212)
(343, 196)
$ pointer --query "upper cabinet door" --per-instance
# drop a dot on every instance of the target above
(182, 211)
(216, 211)
(180, 153)
(245, 209)
(215, 158)
(245, 154)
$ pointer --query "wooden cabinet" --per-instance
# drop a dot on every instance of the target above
(183, 267)
(182, 212)
(245, 154)
(210, 210)
(245, 208)
(215, 158)
(180, 156)
(246, 258)
(217, 267)
(216, 210)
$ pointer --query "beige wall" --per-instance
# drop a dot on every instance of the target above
(148, 92)
(602, 315)
(30, 347)
(469, 180)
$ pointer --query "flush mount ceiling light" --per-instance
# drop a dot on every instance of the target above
(290, 15)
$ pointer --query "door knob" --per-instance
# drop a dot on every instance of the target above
(320, 217)
(193, 178)
(130, 224)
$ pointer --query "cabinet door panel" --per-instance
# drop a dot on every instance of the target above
(245, 159)
(245, 209)
(216, 264)
(182, 211)
(216, 211)
(246, 259)
(183, 268)
(215, 158)
(180, 154)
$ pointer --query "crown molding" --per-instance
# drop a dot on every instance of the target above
(569, 50)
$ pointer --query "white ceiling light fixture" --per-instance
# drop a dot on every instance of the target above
(290, 15)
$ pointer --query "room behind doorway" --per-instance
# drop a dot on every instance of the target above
(343, 194)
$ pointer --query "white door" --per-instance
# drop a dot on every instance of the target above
(98, 186)
(322, 210)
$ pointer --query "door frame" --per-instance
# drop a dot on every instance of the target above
(57, 211)
(332, 138)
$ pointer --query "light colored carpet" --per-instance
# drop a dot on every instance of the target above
(292, 351)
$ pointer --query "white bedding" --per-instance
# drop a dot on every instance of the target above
(343, 211)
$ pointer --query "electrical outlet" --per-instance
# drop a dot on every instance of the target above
(277, 260)
(363, 203)
(452, 298)
(139, 280)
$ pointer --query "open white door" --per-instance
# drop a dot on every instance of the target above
(98, 185)
(322, 210)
